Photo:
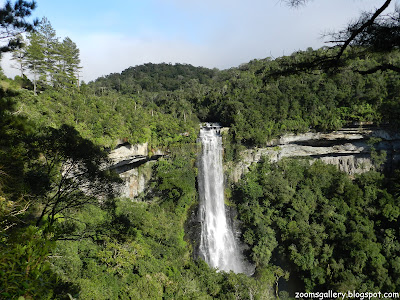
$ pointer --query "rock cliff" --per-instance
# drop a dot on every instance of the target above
(134, 165)
(347, 148)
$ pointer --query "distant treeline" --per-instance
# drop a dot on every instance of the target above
(261, 99)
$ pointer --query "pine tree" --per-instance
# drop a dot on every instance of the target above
(50, 41)
(49, 60)
(18, 56)
(35, 57)
(13, 23)
(377, 31)
(67, 66)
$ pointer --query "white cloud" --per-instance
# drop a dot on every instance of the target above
(102, 54)
(225, 34)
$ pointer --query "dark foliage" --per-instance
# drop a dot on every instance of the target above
(13, 22)
(373, 32)
(69, 172)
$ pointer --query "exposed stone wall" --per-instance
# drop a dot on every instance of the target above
(126, 150)
(134, 164)
(346, 148)
(135, 181)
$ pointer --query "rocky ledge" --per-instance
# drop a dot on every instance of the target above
(347, 148)
(134, 165)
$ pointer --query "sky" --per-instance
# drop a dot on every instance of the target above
(115, 35)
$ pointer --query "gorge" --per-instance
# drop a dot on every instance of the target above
(212, 226)
(347, 148)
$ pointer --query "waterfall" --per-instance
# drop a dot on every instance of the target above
(218, 246)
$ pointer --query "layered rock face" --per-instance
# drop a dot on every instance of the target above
(134, 165)
(347, 148)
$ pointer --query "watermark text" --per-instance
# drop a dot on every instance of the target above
(346, 295)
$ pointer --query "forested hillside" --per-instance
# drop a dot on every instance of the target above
(154, 78)
(331, 232)
(254, 100)
(66, 234)
(261, 100)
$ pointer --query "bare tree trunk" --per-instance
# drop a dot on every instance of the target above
(34, 79)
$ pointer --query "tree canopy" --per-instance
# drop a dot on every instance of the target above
(330, 231)
(377, 31)
(13, 22)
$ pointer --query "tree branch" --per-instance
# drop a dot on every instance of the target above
(383, 67)
(368, 23)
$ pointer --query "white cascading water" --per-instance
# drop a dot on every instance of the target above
(217, 244)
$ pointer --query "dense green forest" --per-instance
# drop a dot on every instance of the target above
(300, 221)
(259, 103)
(256, 105)
(334, 233)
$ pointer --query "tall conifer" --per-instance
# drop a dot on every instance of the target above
(35, 57)
(50, 41)
(68, 62)
(18, 56)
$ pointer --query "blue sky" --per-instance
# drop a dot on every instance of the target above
(114, 35)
